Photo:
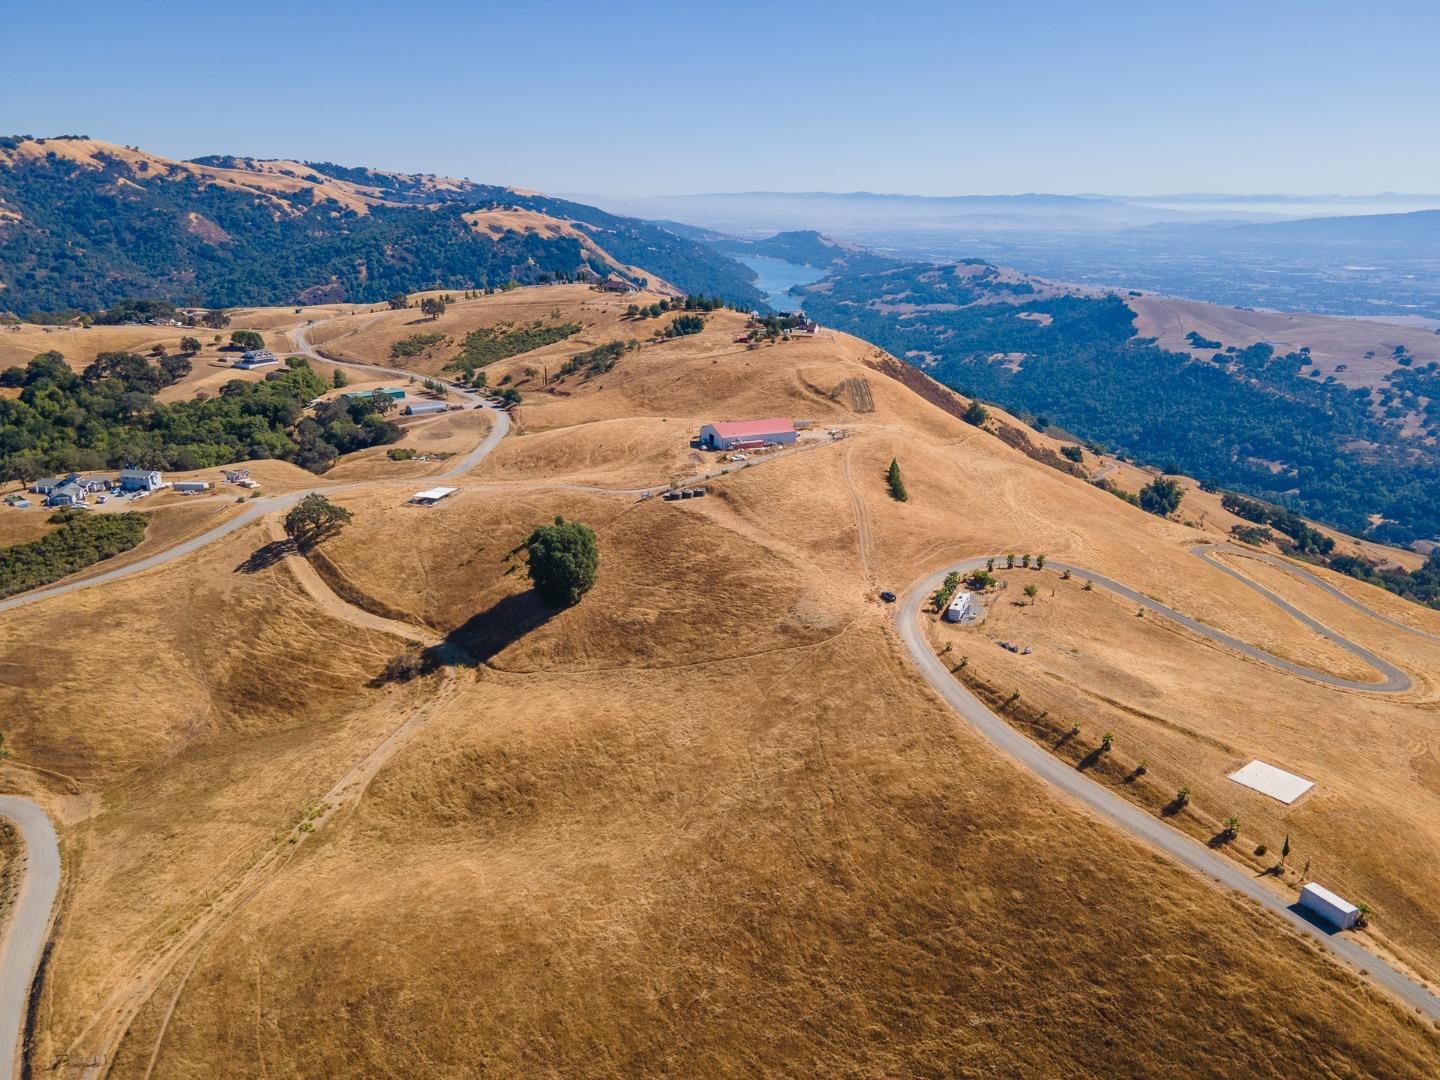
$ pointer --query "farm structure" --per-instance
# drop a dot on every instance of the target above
(1336, 911)
(423, 408)
(747, 434)
(431, 496)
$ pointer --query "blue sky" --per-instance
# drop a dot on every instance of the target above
(641, 98)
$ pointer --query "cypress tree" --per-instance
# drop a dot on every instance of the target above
(897, 484)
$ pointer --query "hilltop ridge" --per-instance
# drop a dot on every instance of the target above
(84, 223)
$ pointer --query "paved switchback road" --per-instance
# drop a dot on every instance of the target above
(1126, 815)
(24, 939)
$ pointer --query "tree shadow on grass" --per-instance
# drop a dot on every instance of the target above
(1090, 760)
(1173, 807)
(495, 629)
(477, 640)
(267, 556)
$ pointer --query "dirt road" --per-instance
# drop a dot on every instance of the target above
(1126, 815)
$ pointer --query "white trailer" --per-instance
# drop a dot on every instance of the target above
(1335, 910)
(959, 607)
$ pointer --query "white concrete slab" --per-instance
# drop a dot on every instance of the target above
(1268, 780)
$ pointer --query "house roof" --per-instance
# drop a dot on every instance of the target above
(139, 474)
(741, 429)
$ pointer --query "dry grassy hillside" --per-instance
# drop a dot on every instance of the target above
(709, 821)
(1365, 347)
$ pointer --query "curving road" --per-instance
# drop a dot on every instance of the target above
(1126, 815)
(25, 932)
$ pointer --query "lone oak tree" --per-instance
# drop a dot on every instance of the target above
(313, 519)
(564, 558)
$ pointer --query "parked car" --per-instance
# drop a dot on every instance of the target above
(888, 596)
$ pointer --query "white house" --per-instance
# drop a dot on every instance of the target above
(141, 480)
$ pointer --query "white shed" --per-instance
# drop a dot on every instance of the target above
(1335, 910)
(420, 408)
(431, 496)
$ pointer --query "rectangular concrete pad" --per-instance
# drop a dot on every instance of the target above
(1268, 780)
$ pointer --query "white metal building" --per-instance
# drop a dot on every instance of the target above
(729, 434)
(431, 496)
(420, 408)
(1335, 910)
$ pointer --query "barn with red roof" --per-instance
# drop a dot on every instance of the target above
(747, 434)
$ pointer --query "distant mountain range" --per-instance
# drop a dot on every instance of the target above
(85, 223)
(863, 212)
(1269, 251)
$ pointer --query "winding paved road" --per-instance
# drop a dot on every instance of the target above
(24, 939)
(1128, 816)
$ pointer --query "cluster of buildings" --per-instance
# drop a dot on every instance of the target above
(73, 489)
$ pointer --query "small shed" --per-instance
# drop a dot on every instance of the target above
(191, 485)
(431, 496)
(1335, 910)
(422, 408)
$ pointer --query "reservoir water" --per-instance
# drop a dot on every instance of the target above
(776, 278)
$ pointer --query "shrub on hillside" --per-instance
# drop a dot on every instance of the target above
(81, 540)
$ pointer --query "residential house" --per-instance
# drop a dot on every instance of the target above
(141, 480)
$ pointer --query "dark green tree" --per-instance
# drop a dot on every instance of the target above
(315, 518)
(976, 414)
(433, 306)
(247, 339)
(564, 559)
(896, 482)
(1161, 496)
(189, 345)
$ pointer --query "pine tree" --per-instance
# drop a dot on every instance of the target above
(897, 483)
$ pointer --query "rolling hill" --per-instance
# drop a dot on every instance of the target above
(710, 821)
(84, 223)
(1256, 409)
